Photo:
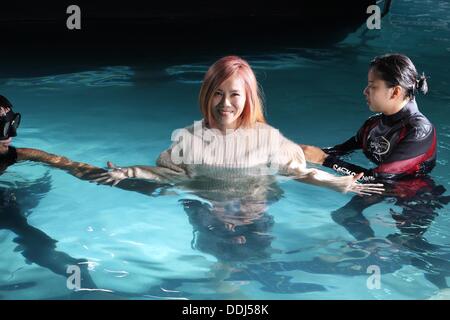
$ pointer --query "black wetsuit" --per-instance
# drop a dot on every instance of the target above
(8, 159)
(401, 145)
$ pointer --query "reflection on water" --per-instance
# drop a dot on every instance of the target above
(297, 58)
(242, 245)
(232, 221)
(106, 77)
(35, 245)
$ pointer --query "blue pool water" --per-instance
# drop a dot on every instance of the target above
(150, 247)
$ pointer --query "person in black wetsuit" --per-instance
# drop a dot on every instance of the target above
(9, 122)
(17, 201)
(402, 142)
(399, 139)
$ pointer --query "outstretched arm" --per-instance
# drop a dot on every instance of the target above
(84, 171)
(166, 171)
(78, 169)
(296, 166)
(342, 184)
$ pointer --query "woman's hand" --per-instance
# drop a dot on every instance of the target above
(87, 173)
(351, 184)
(114, 175)
(346, 184)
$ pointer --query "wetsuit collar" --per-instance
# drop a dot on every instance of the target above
(409, 109)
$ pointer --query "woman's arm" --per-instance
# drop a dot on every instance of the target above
(166, 171)
(152, 173)
(293, 157)
(342, 184)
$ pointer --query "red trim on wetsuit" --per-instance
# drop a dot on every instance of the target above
(410, 187)
(367, 130)
(409, 165)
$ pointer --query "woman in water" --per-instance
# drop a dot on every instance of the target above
(399, 139)
(233, 141)
(233, 136)
(229, 159)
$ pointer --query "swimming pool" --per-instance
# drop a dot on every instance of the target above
(157, 247)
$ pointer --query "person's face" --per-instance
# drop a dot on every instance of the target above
(228, 102)
(379, 97)
(4, 144)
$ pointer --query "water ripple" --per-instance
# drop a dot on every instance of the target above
(193, 73)
(119, 273)
(104, 77)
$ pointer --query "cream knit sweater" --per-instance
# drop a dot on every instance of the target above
(260, 150)
(239, 164)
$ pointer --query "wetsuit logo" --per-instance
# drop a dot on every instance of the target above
(349, 172)
(379, 146)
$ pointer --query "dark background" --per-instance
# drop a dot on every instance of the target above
(34, 34)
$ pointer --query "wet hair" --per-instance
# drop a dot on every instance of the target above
(398, 70)
(220, 71)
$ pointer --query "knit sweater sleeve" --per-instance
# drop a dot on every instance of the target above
(290, 158)
(291, 161)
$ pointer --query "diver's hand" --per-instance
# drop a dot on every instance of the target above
(114, 175)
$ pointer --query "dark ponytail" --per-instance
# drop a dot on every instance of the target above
(398, 70)
(422, 84)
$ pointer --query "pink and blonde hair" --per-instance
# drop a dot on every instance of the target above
(220, 71)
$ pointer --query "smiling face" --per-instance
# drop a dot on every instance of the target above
(228, 102)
